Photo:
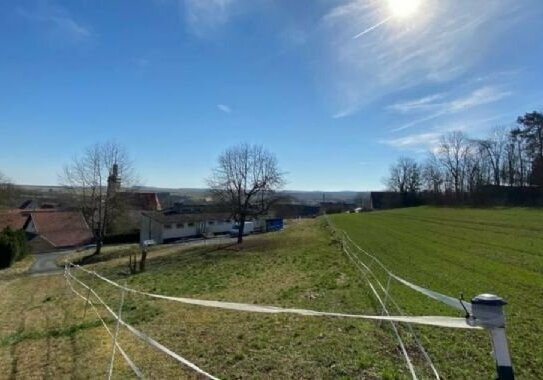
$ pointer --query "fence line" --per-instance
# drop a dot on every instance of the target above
(392, 324)
(439, 321)
(432, 294)
(143, 336)
(448, 300)
(425, 354)
(129, 361)
(484, 310)
(451, 322)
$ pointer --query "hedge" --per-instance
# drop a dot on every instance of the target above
(13, 246)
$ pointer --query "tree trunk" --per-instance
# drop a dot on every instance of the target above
(99, 244)
(143, 259)
(241, 228)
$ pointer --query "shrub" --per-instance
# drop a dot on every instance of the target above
(13, 246)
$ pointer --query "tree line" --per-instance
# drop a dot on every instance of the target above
(459, 165)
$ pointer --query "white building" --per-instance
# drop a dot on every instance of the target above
(164, 227)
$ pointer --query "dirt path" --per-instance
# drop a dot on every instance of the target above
(45, 263)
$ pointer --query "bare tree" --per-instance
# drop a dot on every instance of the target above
(530, 131)
(404, 176)
(477, 171)
(245, 181)
(520, 157)
(432, 174)
(494, 149)
(94, 177)
(8, 191)
(453, 153)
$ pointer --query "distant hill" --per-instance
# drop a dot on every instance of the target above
(298, 195)
(307, 197)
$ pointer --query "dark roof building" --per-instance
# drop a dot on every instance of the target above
(174, 217)
(61, 229)
(49, 229)
(12, 219)
(139, 201)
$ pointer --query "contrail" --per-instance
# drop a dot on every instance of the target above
(371, 28)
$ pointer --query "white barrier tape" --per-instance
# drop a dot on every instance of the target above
(129, 361)
(386, 292)
(394, 328)
(439, 321)
(451, 301)
(387, 296)
(145, 337)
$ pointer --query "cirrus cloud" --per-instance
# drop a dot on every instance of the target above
(430, 48)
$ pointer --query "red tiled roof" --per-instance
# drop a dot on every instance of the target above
(62, 228)
(140, 201)
(11, 219)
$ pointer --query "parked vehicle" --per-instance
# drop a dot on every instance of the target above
(248, 229)
(274, 224)
(148, 243)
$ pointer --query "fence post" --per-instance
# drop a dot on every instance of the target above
(87, 301)
(385, 298)
(123, 291)
(487, 309)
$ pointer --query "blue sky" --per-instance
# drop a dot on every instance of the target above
(177, 82)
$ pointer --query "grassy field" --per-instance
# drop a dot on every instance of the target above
(46, 335)
(469, 251)
(46, 331)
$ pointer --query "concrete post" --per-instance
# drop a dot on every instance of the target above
(487, 311)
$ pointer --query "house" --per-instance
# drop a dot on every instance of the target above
(49, 229)
(139, 201)
(12, 219)
(170, 225)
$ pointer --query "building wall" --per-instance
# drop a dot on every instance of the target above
(180, 230)
(150, 230)
(38, 244)
(219, 227)
(153, 230)
(30, 227)
(188, 229)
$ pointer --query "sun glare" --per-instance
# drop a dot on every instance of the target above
(403, 8)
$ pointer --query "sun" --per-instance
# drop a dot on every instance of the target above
(403, 8)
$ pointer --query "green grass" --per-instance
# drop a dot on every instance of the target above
(299, 267)
(44, 334)
(469, 251)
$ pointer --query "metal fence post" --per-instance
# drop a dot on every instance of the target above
(123, 291)
(487, 309)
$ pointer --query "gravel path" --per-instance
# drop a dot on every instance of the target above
(46, 263)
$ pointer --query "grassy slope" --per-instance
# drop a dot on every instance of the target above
(43, 332)
(471, 251)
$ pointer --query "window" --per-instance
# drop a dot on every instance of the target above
(167, 226)
(180, 225)
(191, 224)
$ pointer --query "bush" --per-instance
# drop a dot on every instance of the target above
(13, 246)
